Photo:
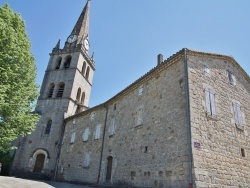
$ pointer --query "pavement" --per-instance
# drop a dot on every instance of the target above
(12, 182)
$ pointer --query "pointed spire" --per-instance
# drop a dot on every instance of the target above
(81, 28)
(57, 45)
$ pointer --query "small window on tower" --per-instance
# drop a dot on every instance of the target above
(83, 67)
(87, 73)
(51, 90)
(48, 127)
(67, 62)
(58, 63)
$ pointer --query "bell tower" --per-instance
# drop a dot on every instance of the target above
(65, 91)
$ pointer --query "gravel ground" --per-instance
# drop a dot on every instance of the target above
(11, 182)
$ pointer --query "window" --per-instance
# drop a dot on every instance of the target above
(67, 62)
(242, 151)
(114, 106)
(73, 136)
(51, 90)
(83, 67)
(86, 160)
(87, 73)
(60, 90)
(238, 114)
(139, 116)
(231, 77)
(206, 69)
(58, 63)
(112, 127)
(83, 98)
(48, 127)
(98, 132)
(92, 115)
(210, 102)
(85, 136)
(140, 90)
(78, 95)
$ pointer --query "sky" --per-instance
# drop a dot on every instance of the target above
(126, 36)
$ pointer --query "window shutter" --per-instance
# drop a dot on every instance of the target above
(238, 115)
(112, 127)
(72, 140)
(86, 134)
(208, 102)
(212, 101)
(87, 159)
(97, 133)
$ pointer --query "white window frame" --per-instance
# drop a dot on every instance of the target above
(112, 127)
(85, 135)
(72, 138)
(98, 132)
(86, 160)
(210, 102)
(238, 114)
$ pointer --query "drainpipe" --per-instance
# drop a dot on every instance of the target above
(59, 151)
(103, 137)
(188, 120)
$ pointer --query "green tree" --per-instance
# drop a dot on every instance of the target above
(17, 79)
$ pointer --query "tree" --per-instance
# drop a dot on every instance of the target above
(17, 79)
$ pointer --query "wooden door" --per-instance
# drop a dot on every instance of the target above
(39, 163)
(109, 169)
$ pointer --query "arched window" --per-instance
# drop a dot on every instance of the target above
(78, 94)
(60, 90)
(83, 67)
(58, 62)
(67, 62)
(51, 90)
(87, 73)
(48, 127)
(83, 98)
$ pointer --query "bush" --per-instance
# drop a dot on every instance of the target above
(6, 160)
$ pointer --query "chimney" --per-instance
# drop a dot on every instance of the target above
(159, 59)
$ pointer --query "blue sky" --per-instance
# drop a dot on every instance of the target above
(127, 36)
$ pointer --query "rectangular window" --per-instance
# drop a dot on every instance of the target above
(98, 132)
(231, 77)
(86, 160)
(242, 152)
(139, 115)
(86, 135)
(206, 69)
(237, 114)
(112, 127)
(140, 90)
(210, 102)
(72, 139)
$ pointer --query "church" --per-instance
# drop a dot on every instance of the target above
(184, 123)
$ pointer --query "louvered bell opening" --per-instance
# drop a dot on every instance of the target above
(60, 91)
(51, 92)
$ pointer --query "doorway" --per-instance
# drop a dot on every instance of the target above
(39, 163)
(109, 169)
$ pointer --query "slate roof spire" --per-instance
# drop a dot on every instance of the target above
(81, 28)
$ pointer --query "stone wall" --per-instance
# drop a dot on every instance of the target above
(217, 142)
(149, 141)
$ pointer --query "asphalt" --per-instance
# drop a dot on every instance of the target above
(12, 182)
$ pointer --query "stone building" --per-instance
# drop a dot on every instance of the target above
(185, 123)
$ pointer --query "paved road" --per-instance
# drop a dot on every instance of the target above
(11, 182)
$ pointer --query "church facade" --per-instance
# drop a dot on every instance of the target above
(185, 123)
